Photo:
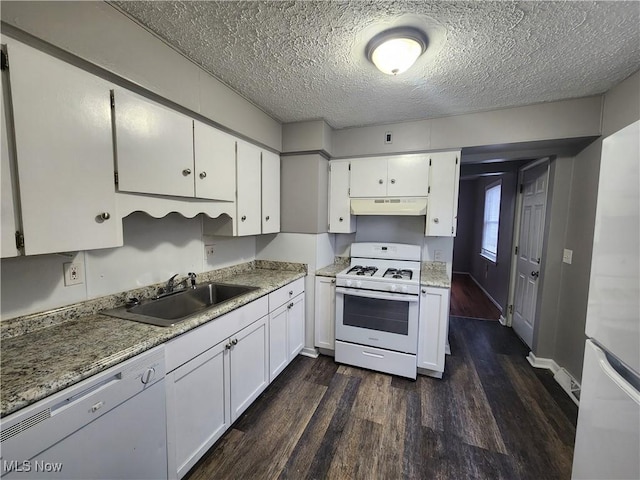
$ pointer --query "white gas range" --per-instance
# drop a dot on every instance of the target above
(377, 304)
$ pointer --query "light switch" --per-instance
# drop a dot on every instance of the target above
(567, 256)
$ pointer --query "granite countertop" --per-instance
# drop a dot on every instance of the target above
(434, 274)
(339, 264)
(37, 363)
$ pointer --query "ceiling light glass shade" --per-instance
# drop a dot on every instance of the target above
(395, 51)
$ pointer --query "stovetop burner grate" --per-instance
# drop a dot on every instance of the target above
(398, 273)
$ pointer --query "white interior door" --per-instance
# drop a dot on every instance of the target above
(533, 206)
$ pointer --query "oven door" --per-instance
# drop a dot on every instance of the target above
(377, 319)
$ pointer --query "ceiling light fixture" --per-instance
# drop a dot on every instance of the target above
(395, 51)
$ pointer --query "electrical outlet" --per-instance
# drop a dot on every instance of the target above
(73, 273)
(567, 256)
(208, 250)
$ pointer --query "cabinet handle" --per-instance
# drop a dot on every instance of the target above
(186, 171)
(341, 219)
(290, 292)
(203, 174)
(243, 218)
(380, 181)
(393, 181)
(290, 305)
(234, 341)
(267, 218)
(105, 215)
(436, 220)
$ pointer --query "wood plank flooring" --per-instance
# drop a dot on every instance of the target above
(468, 299)
(492, 416)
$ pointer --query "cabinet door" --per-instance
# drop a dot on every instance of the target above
(278, 345)
(295, 329)
(433, 328)
(64, 154)
(154, 147)
(408, 176)
(368, 177)
(249, 365)
(7, 176)
(325, 313)
(248, 219)
(270, 192)
(340, 219)
(197, 406)
(442, 207)
(214, 162)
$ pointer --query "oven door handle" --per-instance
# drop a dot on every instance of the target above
(398, 297)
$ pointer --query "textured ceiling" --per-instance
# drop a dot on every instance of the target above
(305, 60)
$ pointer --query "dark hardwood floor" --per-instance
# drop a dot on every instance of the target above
(492, 416)
(468, 299)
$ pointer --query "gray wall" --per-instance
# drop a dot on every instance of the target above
(494, 277)
(562, 312)
(463, 242)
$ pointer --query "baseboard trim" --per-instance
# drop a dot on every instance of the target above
(309, 352)
(503, 321)
(486, 293)
(568, 383)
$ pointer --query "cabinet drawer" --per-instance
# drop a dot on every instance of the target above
(185, 347)
(286, 293)
(378, 359)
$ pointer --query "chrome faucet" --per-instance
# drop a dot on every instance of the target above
(191, 277)
(171, 285)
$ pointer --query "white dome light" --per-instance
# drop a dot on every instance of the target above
(395, 51)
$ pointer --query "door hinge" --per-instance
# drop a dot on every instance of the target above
(521, 187)
(113, 100)
(4, 60)
(451, 230)
(511, 309)
(429, 189)
(456, 160)
(115, 177)
(349, 167)
(516, 250)
(349, 191)
(19, 240)
(429, 162)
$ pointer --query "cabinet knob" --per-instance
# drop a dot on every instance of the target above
(234, 341)
(290, 305)
(267, 218)
(423, 291)
(290, 292)
(203, 174)
(227, 346)
(186, 171)
(436, 220)
(380, 181)
(341, 219)
(243, 218)
(393, 181)
(105, 215)
(333, 281)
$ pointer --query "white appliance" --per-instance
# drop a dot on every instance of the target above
(377, 308)
(110, 426)
(608, 434)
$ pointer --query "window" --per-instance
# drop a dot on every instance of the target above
(491, 222)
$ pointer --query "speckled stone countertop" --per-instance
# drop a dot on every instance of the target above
(339, 264)
(67, 345)
(434, 274)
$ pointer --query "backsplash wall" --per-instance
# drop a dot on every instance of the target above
(154, 249)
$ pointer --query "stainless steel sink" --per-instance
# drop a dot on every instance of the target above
(169, 310)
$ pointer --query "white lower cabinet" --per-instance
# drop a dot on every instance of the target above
(286, 326)
(325, 313)
(433, 330)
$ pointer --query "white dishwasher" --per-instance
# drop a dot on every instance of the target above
(109, 426)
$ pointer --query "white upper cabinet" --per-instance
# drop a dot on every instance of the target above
(8, 214)
(249, 190)
(340, 219)
(395, 176)
(154, 147)
(214, 163)
(442, 207)
(270, 192)
(64, 154)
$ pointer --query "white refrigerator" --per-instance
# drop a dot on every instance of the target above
(608, 434)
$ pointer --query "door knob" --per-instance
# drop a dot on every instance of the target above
(535, 274)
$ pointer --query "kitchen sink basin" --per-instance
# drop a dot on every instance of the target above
(176, 307)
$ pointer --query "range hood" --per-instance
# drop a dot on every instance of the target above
(389, 206)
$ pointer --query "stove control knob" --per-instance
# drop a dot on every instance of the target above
(404, 289)
(393, 288)
(358, 284)
(349, 282)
